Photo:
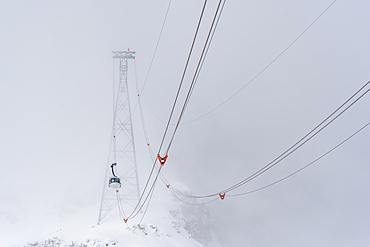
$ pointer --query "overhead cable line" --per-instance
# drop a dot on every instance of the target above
(193, 204)
(290, 150)
(261, 72)
(150, 198)
(150, 193)
(213, 32)
(137, 206)
(196, 73)
(266, 67)
(154, 53)
(156, 47)
(293, 148)
(141, 111)
(304, 167)
(195, 77)
(296, 146)
(147, 140)
(183, 74)
(136, 210)
(166, 182)
(151, 190)
(199, 67)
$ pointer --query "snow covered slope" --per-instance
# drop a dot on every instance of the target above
(168, 222)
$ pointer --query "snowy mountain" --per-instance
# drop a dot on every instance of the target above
(168, 222)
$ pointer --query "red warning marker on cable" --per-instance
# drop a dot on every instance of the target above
(125, 220)
(162, 160)
(222, 196)
(167, 185)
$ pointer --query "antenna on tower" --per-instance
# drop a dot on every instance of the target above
(122, 149)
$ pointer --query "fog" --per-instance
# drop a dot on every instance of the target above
(56, 79)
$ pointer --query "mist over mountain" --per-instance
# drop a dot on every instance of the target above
(168, 223)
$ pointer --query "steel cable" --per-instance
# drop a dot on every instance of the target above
(293, 148)
(304, 167)
(266, 67)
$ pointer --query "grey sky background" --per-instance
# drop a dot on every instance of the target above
(56, 75)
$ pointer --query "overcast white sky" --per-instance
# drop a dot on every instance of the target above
(56, 75)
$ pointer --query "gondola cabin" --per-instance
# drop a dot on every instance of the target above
(115, 182)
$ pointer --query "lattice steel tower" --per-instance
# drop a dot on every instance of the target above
(122, 149)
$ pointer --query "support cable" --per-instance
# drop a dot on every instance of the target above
(271, 164)
(154, 53)
(304, 167)
(265, 68)
(282, 158)
(121, 212)
(206, 46)
(139, 95)
(151, 154)
(140, 110)
(196, 73)
(150, 198)
(183, 75)
(133, 214)
(208, 41)
(193, 204)
(151, 190)
(293, 148)
(200, 63)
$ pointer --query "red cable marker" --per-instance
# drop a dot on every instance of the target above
(162, 160)
(222, 196)
(167, 185)
(125, 220)
(117, 191)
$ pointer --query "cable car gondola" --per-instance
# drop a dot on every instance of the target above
(114, 182)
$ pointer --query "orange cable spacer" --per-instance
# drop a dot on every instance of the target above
(162, 160)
